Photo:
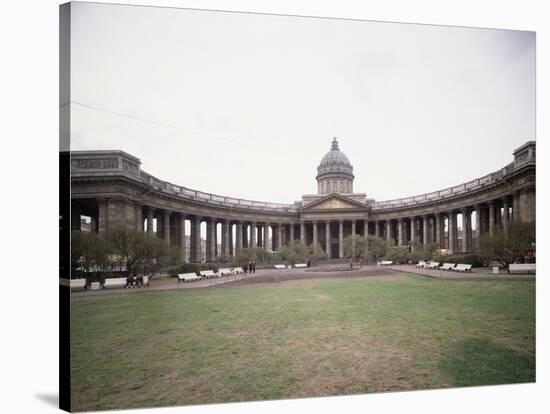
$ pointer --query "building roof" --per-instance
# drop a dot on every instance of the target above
(335, 157)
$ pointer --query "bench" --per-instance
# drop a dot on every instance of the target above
(208, 274)
(421, 263)
(73, 283)
(226, 271)
(521, 268)
(463, 268)
(238, 270)
(114, 282)
(300, 265)
(385, 263)
(432, 265)
(187, 277)
(279, 266)
(447, 266)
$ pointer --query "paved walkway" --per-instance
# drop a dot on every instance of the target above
(261, 276)
(446, 274)
(272, 275)
(165, 282)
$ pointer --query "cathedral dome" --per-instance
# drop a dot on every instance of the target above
(335, 157)
(335, 172)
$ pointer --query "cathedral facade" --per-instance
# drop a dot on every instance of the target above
(111, 189)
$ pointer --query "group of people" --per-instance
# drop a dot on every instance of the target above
(249, 267)
(134, 281)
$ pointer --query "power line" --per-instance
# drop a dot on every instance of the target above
(178, 128)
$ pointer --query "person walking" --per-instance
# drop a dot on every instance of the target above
(253, 266)
(250, 267)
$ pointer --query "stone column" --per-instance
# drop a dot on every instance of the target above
(303, 233)
(515, 206)
(264, 242)
(253, 242)
(438, 231)
(291, 233)
(102, 216)
(491, 218)
(183, 239)
(166, 223)
(139, 216)
(425, 230)
(452, 232)
(238, 237)
(327, 238)
(400, 230)
(259, 235)
(341, 239)
(196, 239)
(505, 218)
(279, 236)
(413, 230)
(465, 229)
(478, 225)
(222, 241)
(227, 238)
(388, 233)
(315, 239)
(353, 225)
(210, 239)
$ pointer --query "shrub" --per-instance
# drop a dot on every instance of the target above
(397, 254)
(476, 260)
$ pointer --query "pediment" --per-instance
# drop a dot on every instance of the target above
(334, 202)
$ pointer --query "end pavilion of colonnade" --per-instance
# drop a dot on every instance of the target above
(111, 189)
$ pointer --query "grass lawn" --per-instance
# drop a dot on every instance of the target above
(298, 339)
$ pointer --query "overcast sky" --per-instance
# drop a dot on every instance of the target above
(246, 105)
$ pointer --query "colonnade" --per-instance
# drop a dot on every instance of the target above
(439, 226)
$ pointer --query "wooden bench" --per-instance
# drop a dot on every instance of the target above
(463, 268)
(521, 268)
(432, 265)
(300, 265)
(226, 272)
(279, 266)
(208, 274)
(187, 277)
(385, 263)
(447, 266)
(238, 270)
(114, 282)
